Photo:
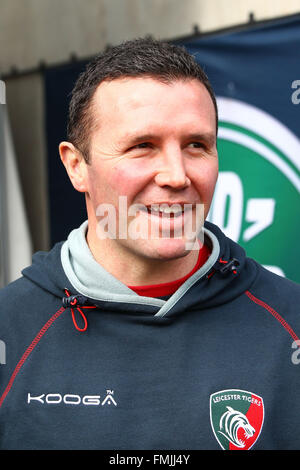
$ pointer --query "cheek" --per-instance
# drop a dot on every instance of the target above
(205, 180)
(212, 178)
(99, 189)
(128, 178)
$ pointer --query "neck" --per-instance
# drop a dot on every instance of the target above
(135, 269)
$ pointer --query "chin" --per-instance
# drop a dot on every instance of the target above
(168, 249)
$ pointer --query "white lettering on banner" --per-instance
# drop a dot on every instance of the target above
(275, 269)
(228, 195)
(228, 204)
(227, 211)
(261, 213)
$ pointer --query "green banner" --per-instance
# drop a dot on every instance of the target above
(256, 202)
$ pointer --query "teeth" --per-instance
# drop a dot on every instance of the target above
(166, 209)
(169, 210)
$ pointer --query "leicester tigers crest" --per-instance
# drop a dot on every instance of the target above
(236, 418)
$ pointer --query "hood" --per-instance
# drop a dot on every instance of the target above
(70, 265)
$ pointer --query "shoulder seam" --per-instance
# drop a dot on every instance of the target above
(273, 312)
(29, 351)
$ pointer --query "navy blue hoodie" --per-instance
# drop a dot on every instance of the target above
(217, 365)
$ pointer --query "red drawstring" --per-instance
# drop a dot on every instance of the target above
(224, 262)
(74, 304)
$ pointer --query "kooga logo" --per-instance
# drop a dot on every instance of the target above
(71, 399)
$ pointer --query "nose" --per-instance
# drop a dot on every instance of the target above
(172, 172)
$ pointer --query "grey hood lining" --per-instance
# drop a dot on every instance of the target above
(90, 279)
(195, 277)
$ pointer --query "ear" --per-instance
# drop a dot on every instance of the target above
(75, 165)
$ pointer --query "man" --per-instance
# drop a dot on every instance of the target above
(146, 329)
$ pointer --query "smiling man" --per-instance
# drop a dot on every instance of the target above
(147, 328)
(143, 147)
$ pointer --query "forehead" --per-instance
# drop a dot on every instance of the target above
(130, 102)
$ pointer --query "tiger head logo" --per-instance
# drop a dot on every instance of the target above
(230, 423)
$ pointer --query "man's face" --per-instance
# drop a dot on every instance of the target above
(155, 144)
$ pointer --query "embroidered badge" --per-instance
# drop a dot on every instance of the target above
(236, 418)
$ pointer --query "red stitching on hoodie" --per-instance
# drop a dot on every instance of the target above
(29, 351)
(275, 314)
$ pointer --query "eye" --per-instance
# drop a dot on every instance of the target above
(142, 145)
(196, 145)
(140, 149)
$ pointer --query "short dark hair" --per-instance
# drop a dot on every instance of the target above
(160, 60)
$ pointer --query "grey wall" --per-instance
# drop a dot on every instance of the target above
(25, 103)
(50, 30)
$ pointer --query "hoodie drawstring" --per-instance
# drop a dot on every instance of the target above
(230, 266)
(224, 267)
(77, 302)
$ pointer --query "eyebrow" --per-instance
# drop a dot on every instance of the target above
(131, 140)
(206, 136)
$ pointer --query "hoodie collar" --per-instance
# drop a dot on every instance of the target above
(226, 275)
(90, 279)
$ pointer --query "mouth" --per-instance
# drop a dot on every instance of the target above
(178, 220)
(167, 210)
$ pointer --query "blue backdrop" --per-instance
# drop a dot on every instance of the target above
(256, 64)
